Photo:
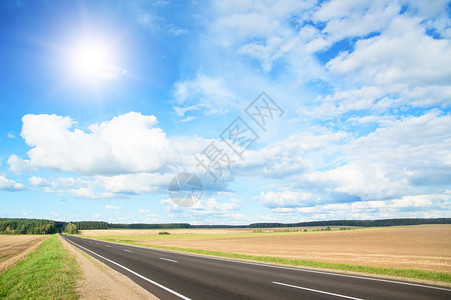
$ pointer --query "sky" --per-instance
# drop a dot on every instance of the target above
(285, 111)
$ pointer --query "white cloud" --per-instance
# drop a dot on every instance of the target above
(54, 214)
(18, 165)
(134, 183)
(392, 161)
(188, 119)
(368, 98)
(367, 181)
(177, 31)
(112, 207)
(180, 111)
(294, 155)
(208, 210)
(148, 212)
(350, 19)
(286, 199)
(10, 185)
(96, 216)
(128, 143)
(111, 73)
(78, 187)
(215, 210)
(403, 54)
(38, 181)
(11, 135)
(211, 94)
(423, 205)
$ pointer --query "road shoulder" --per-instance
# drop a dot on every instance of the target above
(101, 282)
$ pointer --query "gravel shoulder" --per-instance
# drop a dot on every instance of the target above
(101, 282)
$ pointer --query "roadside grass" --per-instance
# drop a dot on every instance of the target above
(47, 273)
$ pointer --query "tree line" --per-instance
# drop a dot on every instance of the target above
(27, 226)
(40, 226)
(358, 223)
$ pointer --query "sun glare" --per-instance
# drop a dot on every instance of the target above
(93, 60)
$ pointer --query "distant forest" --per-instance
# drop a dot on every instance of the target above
(27, 226)
(39, 226)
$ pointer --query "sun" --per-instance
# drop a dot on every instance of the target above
(93, 59)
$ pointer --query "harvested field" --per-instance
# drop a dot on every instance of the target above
(138, 232)
(423, 247)
(15, 247)
(198, 232)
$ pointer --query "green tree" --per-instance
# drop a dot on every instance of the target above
(71, 228)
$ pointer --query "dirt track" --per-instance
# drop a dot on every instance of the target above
(16, 247)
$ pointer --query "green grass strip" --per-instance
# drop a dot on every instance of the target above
(47, 273)
(405, 273)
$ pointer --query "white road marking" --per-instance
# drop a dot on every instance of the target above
(168, 259)
(126, 250)
(294, 269)
(108, 246)
(134, 273)
(291, 268)
(316, 291)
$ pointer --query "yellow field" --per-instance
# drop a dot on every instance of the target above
(423, 247)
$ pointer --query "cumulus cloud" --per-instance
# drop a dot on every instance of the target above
(392, 161)
(112, 207)
(209, 211)
(18, 165)
(87, 188)
(403, 54)
(294, 155)
(390, 80)
(286, 199)
(350, 19)
(422, 206)
(212, 207)
(10, 185)
(128, 143)
(390, 58)
(391, 168)
(134, 183)
(38, 181)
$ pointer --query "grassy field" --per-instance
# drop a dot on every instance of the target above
(47, 273)
(422, 251)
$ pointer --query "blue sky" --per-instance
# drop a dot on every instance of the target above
(102, 103)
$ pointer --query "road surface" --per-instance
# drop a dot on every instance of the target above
(170, 275)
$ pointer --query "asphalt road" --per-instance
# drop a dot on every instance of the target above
(170, 275)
